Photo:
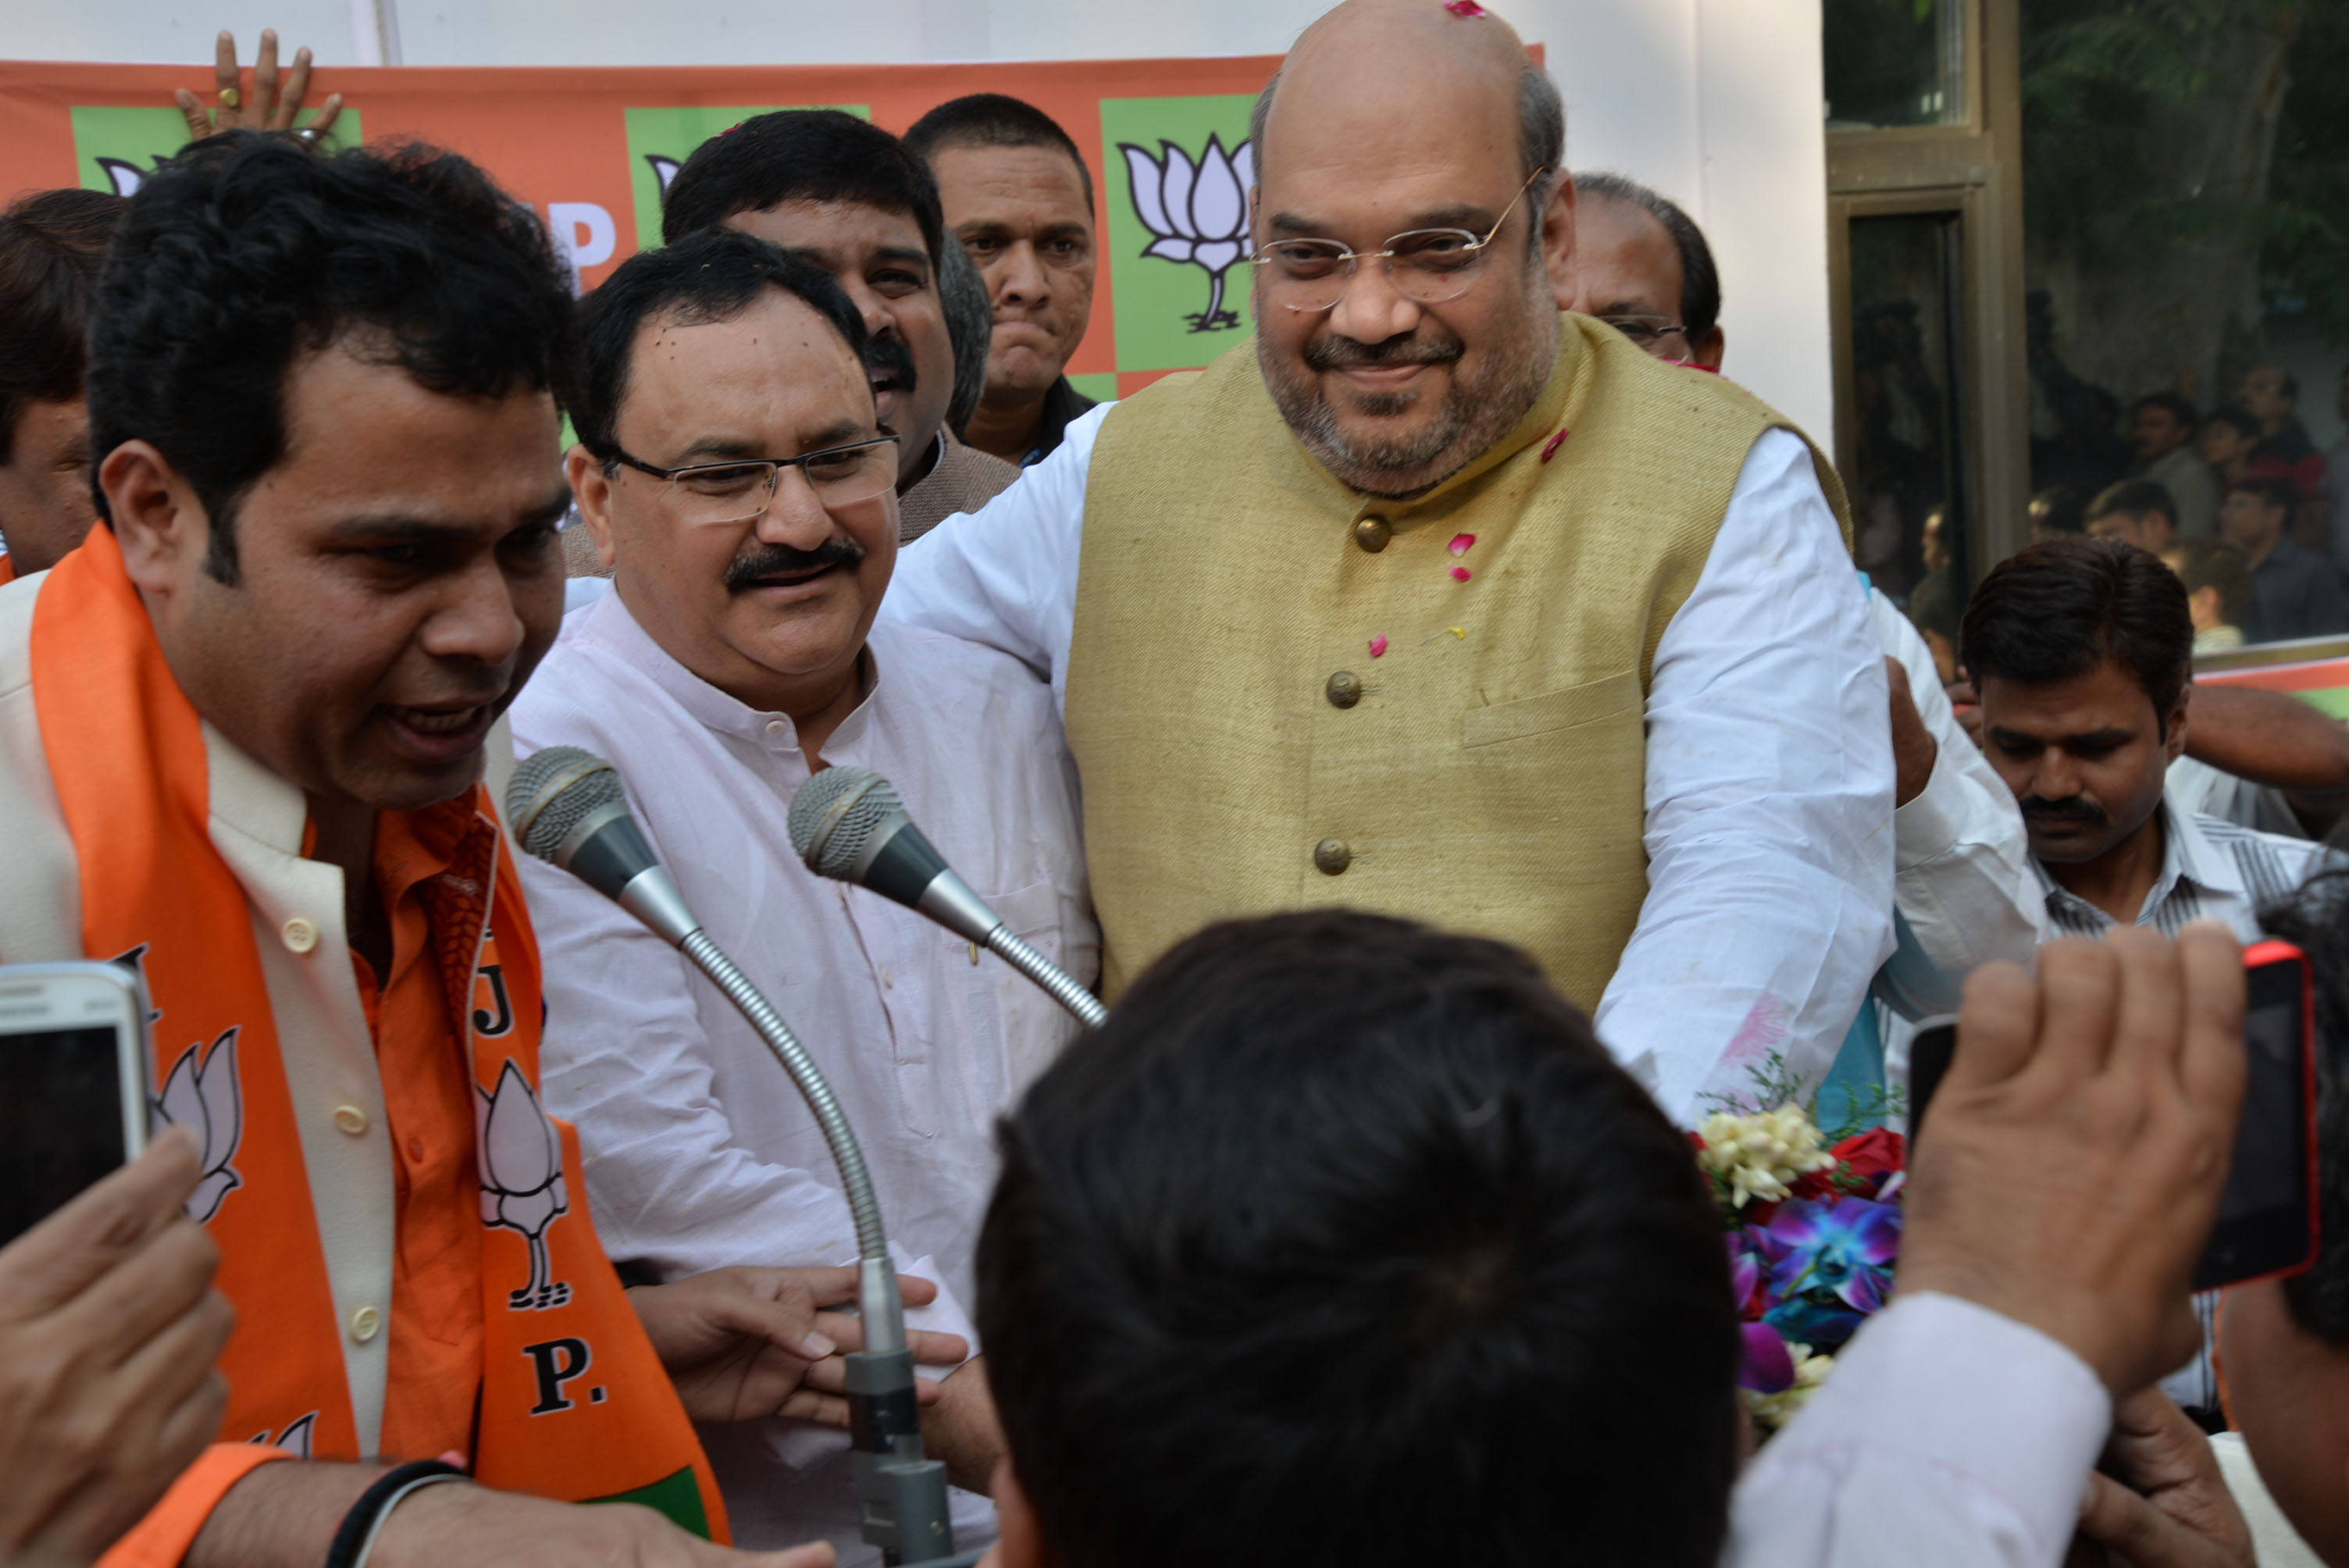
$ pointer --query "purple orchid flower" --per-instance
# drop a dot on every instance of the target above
(1829, 1266)
(1767, 1366)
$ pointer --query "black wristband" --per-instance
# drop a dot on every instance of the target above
(352, 1534)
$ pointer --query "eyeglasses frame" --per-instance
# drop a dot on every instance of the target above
(620, 455)
(1354, 260)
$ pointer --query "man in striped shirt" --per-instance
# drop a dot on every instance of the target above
(2081, 650)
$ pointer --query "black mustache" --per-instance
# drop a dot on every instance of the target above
(773, 560)
(2035, 810)
(890, 356)
(1337, 352)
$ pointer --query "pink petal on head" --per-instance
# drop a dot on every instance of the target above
(1378, 645)
(1463, 7)
(1461, 543)
(1460, 575)
(1550, 446)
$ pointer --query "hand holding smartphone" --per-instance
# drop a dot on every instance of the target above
(2267, 1225)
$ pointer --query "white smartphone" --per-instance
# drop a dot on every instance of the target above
(73, 1083)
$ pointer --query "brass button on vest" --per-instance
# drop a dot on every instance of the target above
(1372, 534)
(1344, 690)
(1332, 857)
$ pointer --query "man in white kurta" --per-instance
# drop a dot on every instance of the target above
(735, 655)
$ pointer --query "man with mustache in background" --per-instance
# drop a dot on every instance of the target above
(2081, 651)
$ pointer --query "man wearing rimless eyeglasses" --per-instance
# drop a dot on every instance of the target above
(1434, 601)
(733, 473)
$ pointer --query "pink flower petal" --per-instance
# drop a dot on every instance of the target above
(1463, 7)
(1379, 645)
(1461, 543)
(1460, 575)
(1550, 446)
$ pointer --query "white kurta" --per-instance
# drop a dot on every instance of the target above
(699, 1153)
(1769, 761)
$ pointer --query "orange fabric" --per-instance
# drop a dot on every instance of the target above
(8, 572)
(163, 1537)
(571, 1401)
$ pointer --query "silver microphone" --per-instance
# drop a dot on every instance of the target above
(566, 806)
(848, 824)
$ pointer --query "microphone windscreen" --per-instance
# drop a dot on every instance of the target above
(552, 792)
(836, 814)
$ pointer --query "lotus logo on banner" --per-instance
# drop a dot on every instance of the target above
(1197, 213)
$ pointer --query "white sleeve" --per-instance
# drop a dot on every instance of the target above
(626, 1061)
(1962, 880)
(1769, 805)
(1946, 1436)
(1006, 575)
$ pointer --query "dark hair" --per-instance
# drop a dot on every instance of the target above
(2274, 490)
(2316, 920)
(993, 120)
(710, 277)
(52, 244)
(1700, 300)
(2176, 405)
(1344, 1240)
(2217, 563)
(2057, 609)
(2240, 421)
(2134, 498)
(2060, 508)
(800, 155)
(247, 250)
(970, 328)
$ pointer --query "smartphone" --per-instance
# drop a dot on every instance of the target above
(2267, 1218)
(73, 1083)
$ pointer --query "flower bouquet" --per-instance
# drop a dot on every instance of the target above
(1813, 1229)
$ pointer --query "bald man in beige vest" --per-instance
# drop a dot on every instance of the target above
(1434, 601)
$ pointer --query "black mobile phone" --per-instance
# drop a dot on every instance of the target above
(73, 1084)
(2267, 1219)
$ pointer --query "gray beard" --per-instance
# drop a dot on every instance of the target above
(1475, 414)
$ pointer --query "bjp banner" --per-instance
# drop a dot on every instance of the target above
(592, 151)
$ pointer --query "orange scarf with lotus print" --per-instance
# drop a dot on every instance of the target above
(575, 1405)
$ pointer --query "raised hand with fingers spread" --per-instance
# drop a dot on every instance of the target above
(268, 108)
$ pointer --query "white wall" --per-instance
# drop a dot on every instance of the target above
(1714, 102)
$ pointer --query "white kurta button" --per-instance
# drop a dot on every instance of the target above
(299, 934)
(366, 1324)
(775, 727)
(351, 1120)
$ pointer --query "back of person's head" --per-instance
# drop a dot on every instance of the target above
(248, 251)
(2057, 609)
(1345, 1241)
(710, 277)
(970, 326)
(1699, 278)
(2217, 563)
(2178, 405)
(2242, 421)
(800, 155)
(52, 246)
(2134, 498)
(993, 120)
(2317, 921)
(2060, 510)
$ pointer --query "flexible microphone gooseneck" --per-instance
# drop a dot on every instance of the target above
(847, 823)
(566, 806)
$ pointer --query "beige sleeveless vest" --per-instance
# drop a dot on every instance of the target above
(1268, 714)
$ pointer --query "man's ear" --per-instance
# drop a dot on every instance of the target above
(1557, 236)
(593, 493)
(1709, 347)
(160, 526)
(1019, 1541)
(2177, 740)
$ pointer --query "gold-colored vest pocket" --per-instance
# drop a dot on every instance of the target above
(1562, 710)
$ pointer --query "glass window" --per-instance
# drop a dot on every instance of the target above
(1894, 62)
(1905, 490)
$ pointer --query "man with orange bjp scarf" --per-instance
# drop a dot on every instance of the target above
(242, 739)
